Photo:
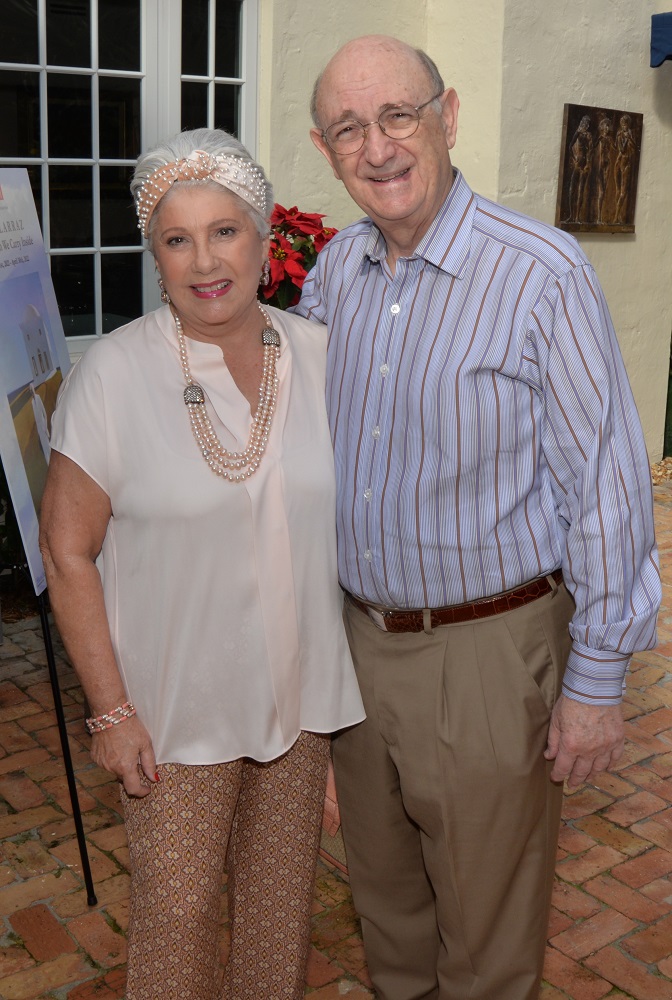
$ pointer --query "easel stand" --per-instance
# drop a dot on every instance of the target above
(65, 746)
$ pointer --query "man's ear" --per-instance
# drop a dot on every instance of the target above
(327, 152)
(450, 105)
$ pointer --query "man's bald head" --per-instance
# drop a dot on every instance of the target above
(360, 50)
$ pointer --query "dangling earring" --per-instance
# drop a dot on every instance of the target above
(165, 297)
(265, 278)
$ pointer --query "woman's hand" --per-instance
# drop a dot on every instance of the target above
(331, 817)
(126, 752)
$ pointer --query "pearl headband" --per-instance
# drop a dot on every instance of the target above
(233, 172)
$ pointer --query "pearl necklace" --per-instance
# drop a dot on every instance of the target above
(234, 466)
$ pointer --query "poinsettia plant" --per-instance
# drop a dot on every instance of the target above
(296, 239)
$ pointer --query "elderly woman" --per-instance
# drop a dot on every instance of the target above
(188, 539)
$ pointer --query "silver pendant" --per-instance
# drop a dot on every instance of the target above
(194, 394)
(270, 336)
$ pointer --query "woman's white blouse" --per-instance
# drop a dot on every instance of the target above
(222, 598)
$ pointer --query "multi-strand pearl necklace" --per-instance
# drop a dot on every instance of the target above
(234, 466)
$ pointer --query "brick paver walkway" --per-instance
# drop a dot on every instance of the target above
(611, 925)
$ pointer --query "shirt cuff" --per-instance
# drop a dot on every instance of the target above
(595, 676)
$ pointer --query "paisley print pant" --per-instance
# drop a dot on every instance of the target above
(261, 822)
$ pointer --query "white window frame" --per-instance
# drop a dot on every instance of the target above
(160, 101)
(162, 21)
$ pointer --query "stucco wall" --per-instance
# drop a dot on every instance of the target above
(514, 64)
(466, 43)
(598, 54)
(297, 38)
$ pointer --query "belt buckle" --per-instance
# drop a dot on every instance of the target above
(378, 618)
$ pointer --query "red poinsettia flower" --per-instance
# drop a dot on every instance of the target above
(323, 237)
(296, 239)
(293, 221)
(286, 263)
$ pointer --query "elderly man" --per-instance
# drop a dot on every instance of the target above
(495, 535)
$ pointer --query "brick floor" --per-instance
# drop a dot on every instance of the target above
(610, 933)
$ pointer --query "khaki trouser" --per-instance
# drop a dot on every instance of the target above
(449, 818)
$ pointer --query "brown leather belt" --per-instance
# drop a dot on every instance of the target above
(413, 620)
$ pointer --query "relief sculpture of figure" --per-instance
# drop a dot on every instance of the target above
(581, 149)
(604, 158)
(625, 154)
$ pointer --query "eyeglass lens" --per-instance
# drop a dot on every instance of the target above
(398, 123)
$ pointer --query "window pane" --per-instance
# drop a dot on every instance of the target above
(227, 38)
(69, 115)
(226, 107)
(68, 33)
(19, 114)
(71, 206)
(119, 102)
(195, 38)
(119, 34)
(73, 284)
(118, 221)
(194, 105)
(122, 288)
(35, 178)
(18, 38)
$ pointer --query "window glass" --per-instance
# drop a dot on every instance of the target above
(18, 35)
(35, 178)
(72, 275)
(68, 33)
(71, 206)
(118, 221)
(119, 34)
(121, 288)
(19, 114)
(194, 105)
(84, 84)
(227, 28)
(226, 107)
(69, 115)
(119, 114)
(195, 38)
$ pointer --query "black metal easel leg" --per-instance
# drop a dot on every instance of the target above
(67, 758)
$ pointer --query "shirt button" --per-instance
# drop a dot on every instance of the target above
(368, 494)
(367, 555)
(384, 370)
(395, 309)
(375, 433)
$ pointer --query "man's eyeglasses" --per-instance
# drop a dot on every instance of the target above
(398, 122)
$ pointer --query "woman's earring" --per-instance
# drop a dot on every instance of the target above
(165, 297)
(265, 278)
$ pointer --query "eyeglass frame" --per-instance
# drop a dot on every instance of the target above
(376, 121)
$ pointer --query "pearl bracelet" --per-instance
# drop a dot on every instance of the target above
(99, 723)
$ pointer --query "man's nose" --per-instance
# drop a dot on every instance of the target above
(378, 147)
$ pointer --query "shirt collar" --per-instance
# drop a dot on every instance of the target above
(447, 242)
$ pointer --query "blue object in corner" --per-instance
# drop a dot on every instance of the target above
(661, 38)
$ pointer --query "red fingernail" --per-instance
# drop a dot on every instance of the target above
(156, 777)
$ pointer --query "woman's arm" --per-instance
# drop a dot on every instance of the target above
(74, 517)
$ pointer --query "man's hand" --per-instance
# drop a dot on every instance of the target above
(583, 740)
(126, 751)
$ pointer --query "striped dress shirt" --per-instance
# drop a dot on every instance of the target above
(484, 429)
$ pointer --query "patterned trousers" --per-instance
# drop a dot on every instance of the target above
(261, 822)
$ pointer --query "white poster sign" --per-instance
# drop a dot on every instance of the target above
(33, 358)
